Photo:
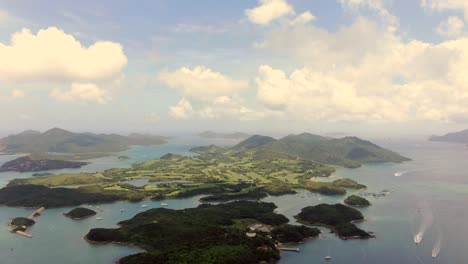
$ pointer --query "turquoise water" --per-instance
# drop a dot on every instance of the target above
(432, 189)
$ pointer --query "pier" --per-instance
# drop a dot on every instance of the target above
(24, 234)
(36, 213)
(289, 249)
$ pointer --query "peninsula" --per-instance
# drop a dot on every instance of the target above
(27, 164)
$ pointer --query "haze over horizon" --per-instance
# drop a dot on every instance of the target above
(366, 67)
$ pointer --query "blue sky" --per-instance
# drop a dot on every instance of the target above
(367, 67)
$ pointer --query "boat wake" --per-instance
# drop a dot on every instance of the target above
(427, 219)
(400, 173)
(436, 249)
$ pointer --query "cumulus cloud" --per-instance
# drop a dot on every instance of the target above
(82, 92)
(451, 28)
(381, 76)
(269, 10)
(201, 82)
(183, 110)
(53, 54)
(446, 5)
(303, 18)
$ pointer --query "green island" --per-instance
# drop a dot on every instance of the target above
(80, 213)
(355, 200)
(339, 218)
(236, 232)
(21, 223)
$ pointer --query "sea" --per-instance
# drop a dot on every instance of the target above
(423, 200)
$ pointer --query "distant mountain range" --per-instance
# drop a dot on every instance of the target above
(347, 151)
(211, 134)
(456, 137)
(58, 140)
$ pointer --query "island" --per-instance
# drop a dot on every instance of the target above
(358, 201)
(27, 164)
(236, 232)
(21, 223)
(455, 137)
(61, 144)
(80, 213)
(339, 218)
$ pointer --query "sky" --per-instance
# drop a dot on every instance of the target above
(365, 67)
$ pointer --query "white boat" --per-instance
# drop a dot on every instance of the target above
(99, 218)
(144, 205)
(328, 258)
(122, 210)
(418, 238)
(164, 204)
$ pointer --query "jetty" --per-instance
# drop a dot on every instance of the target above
(20, 230)
(36, 213)
(23, 234)
(289, 249)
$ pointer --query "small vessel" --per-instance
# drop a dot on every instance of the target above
(122, 210)
(144, 205)
(164, 204)
(99, 218)
(328, 257)
(418, 238)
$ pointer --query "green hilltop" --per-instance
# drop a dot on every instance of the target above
(347, 151)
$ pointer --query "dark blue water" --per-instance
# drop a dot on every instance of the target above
(431, 196)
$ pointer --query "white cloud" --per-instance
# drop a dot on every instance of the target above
(380, 77)
(303, 18)
(53, 54)
(17, 94)
(446, 5)
(269, 10)
(451, 28)
(201, 82)
(183, 110)
(82, 92)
